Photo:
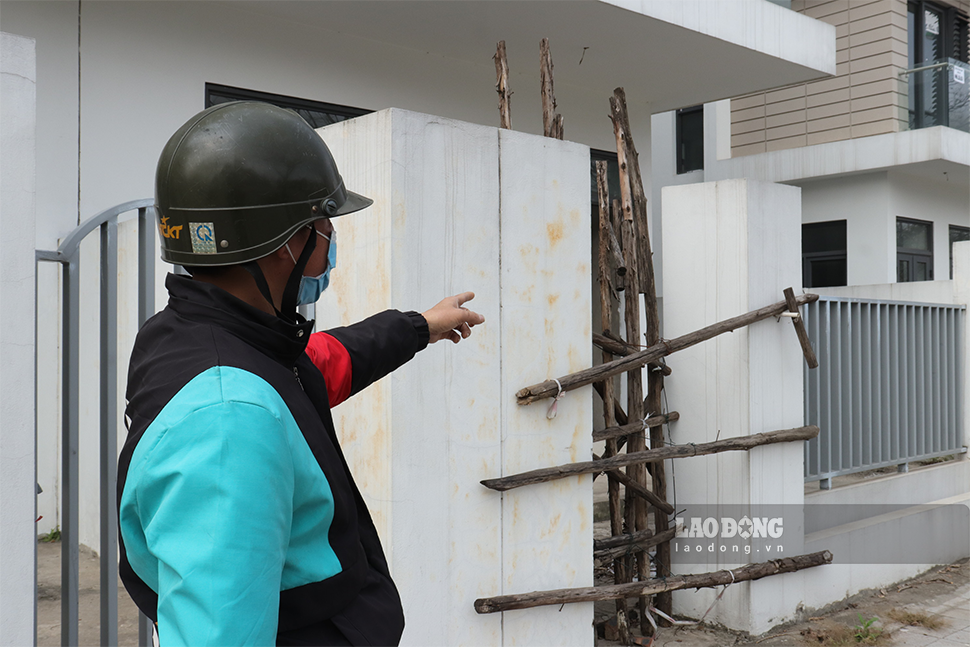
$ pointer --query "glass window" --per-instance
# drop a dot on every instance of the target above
(957, 234)
(690, 139)
(824, 254)
(913, 234)
(914, 250)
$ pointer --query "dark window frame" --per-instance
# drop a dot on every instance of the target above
(333, 112)
(952, 239)
(685, 165)
(912, 254)
(954, 34)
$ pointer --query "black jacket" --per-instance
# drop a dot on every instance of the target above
(239, 518)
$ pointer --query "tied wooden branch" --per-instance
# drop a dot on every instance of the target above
(741, 443)
(502, 86)
(612, 447)
(627, 544)
(653, 586)
(626, 430)
(618, 477)
(548, 389)
(551, 120)
(616, 346)
(800, 331)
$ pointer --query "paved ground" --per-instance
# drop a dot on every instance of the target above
(89, 600)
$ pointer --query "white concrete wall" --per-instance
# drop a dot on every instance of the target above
(935, 199)
(17, 216)
(731, 247)
(505, 214)
(863, 201)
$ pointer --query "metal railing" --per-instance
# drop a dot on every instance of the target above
(69, 256)
(938, 94)
(888, 389)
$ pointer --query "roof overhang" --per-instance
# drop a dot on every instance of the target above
(668, 53)
(937, 152)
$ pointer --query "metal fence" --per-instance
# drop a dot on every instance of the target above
(69, 256)
(888, 387)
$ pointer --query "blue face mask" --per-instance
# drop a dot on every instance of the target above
(311, 287)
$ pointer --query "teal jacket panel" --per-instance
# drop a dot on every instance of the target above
(224, 506)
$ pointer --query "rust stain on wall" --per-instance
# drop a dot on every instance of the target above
(554, 230)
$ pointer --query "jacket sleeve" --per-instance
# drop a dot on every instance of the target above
(217, 519)
(375, 347)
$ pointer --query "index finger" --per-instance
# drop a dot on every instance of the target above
(464, 297)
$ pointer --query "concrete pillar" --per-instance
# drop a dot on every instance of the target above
(505, 214)
(18, 590)
(731, 247)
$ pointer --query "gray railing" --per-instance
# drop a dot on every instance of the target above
(69, 256)
(888, 390)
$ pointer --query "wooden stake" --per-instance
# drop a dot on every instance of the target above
(636, 512)
(548, 389)
(502, 86)
(551, 122)
(650, 587)
(606, 320)
(647, 285)
(806, 345)
(740, 443)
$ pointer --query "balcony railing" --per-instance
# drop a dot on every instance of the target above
(939, 94)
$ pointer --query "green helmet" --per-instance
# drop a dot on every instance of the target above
(239, 179)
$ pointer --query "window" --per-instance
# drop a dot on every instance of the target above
(824, 254)
(690, 139)
(936, 33)
(612, 178)
(914, 250)
(957, 234)
(316, 113)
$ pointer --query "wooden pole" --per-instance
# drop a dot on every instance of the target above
(740, 443)
(800, 330)
(502, 86)
(636, 512)
(650, 587)
(606, 320)
(548, 389)
(655, 379)
(551, 121)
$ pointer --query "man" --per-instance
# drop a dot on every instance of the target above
(240, 522)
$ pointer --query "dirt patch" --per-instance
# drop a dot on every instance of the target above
(934, 606)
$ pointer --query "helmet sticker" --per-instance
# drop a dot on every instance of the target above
(203, 237)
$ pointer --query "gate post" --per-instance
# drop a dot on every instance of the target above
(18, 496)
(731, 247)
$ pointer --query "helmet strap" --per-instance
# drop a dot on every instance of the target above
(257, 273)
(287, 310)
(292, 290)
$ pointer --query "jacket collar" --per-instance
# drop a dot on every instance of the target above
(206, 303)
